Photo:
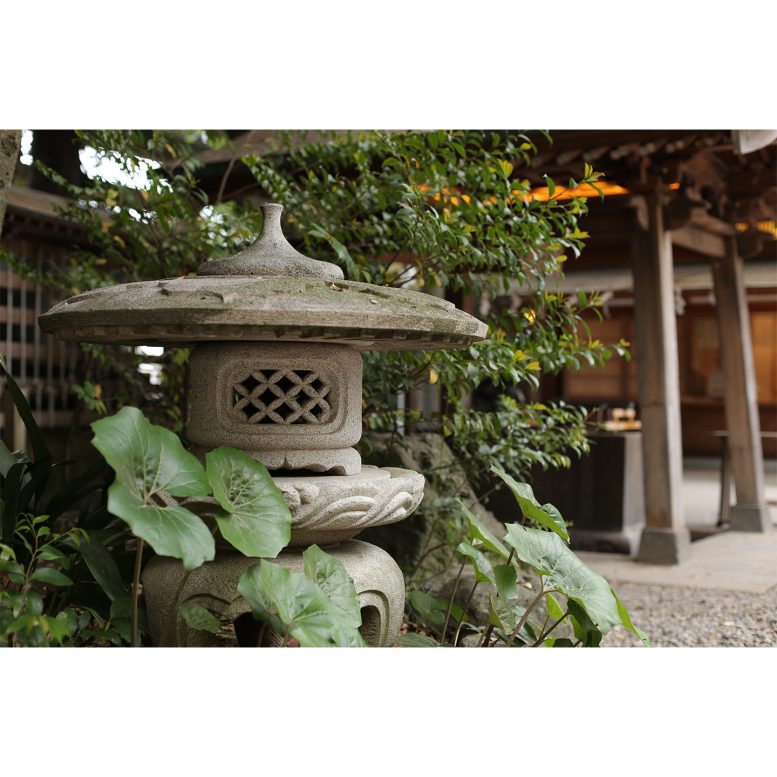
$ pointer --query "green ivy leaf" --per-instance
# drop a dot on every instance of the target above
(564, 572)
(546, 515)
(149, 461)
(258, 521)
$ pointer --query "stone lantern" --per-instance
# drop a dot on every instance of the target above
(275, 371)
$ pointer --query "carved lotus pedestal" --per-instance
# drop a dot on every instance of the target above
(275, 371)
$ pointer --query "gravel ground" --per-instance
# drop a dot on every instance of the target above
(693, 617)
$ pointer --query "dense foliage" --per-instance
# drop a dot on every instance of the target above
(450, 213)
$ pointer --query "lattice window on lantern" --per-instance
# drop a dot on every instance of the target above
(281, 397)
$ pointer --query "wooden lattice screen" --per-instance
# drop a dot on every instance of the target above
(43, 366)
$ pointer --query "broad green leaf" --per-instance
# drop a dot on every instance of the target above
(346, 636)
(506, 579)
(416, 640)
(546, 515)
(103, 567)
(584, 628)
(554, 608)
(7, 459)
(50, 576)
(197, 617)
(121, 608)
(150, 462)
(258, 521)
(39, 447)
(477, 531)
(626, 621)
(506, 615)
(170, 531)
(148, 458)
(564, 572)
(484, 572)
(289, 602)
(329, 574)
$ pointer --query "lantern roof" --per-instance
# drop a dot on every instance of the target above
(268, 292)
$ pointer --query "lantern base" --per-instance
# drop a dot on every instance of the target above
(376, 576)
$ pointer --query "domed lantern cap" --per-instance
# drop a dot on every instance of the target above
(268, 292)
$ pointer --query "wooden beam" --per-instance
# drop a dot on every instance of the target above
(699, 240)
(665, 539)
(740, 393)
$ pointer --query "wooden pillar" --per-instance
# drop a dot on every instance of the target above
(665, 538)
(750, 513)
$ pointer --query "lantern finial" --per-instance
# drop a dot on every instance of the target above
(272, 255)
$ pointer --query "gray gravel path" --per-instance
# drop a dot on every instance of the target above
(697, 617)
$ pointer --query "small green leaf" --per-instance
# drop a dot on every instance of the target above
(33, 602)
(554, 608)
(50, 553)
(50, 576)
(57, 628)
(484, 572)
(197, 617)
(258, 521)
(626, 621)
(478, 531)
(506, 579)
(432, 611)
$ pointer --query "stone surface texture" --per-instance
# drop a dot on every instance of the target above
(188, 310)
(664, 546)
(332, 508)
(290, 405)
(376, 576)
